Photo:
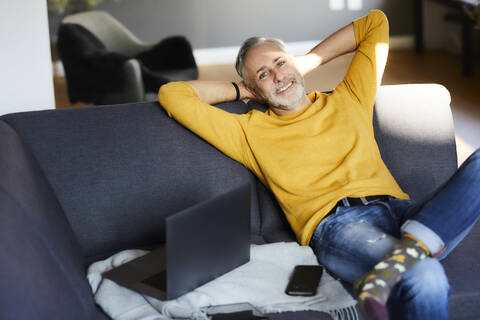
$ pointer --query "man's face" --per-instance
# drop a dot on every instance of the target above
(273, 75)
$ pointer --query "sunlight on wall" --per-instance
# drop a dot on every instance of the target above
(354, 5)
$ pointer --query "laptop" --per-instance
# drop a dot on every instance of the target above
(203, 242)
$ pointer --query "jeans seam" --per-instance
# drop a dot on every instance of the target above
(325, 221)
(346, 253)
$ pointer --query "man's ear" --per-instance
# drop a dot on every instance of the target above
(254, 94)
(252, 90)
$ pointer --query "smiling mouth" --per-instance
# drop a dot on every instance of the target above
(285, 88)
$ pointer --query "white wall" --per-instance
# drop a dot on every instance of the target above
(26, 80)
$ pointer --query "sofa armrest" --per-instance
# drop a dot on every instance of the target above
(41, 273)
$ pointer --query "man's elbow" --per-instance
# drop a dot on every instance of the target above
(163, 93)
(378, 15)
(165, 96)
(168, 93)
(380, 20)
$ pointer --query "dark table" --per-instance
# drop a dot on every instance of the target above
(467, 29)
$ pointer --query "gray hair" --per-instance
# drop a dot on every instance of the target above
(249, 44)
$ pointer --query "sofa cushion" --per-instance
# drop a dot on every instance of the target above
(274, 224)
(41, 269)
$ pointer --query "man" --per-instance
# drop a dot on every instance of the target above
(318, 155)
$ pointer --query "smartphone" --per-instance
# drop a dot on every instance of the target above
(304, 281)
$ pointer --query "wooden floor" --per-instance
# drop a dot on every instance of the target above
(402, 67)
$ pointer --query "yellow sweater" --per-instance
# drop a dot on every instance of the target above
(314, 157)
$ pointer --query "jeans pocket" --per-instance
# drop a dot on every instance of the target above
(320, 228)
(397, 209)
(390, 211)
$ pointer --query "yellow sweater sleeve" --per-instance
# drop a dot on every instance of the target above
(365, 72)
(222, 129)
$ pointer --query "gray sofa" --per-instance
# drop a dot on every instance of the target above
(77, 185)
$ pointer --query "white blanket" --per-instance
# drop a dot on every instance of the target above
(261, 282)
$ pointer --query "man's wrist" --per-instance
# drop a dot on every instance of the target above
(237, 91)
(244, 92)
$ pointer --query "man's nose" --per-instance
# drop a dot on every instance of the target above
(279, 76)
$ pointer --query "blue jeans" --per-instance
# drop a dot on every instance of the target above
(350, 241)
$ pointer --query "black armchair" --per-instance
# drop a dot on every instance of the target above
(106, 64)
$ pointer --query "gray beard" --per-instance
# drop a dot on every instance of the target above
(286, 104)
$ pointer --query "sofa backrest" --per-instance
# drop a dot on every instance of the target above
(118, 171)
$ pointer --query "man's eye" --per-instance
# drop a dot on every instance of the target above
(281, 63)
(262, 75)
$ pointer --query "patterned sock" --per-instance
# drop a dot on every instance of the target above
(373, 289)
